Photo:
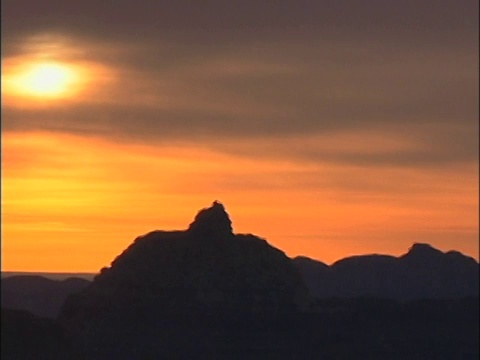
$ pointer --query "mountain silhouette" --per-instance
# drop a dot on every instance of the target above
(204, 266)
(208, 293)
(40, 296)
(422, 273)
(204, 272)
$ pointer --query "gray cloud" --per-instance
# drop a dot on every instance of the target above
(217, 73)
(210, 21)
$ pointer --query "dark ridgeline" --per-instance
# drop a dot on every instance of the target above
(208, 293)
(422, 273)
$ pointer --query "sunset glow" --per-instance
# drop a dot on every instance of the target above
(67, 191)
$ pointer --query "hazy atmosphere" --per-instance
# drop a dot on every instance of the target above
(329, 128)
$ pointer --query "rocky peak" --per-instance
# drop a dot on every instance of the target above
(212, 222)
(423, 254)
(205, 268)
(421, 249)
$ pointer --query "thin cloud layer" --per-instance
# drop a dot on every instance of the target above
(191, 71)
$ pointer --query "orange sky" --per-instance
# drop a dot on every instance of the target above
(72, 203)
(328, 131)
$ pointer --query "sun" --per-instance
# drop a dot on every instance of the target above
(48, 79)
(44, 80)
(52, 71)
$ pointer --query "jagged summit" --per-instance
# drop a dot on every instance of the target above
(422, 250)
(212, 222)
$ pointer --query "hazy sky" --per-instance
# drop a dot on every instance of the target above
(330, 128)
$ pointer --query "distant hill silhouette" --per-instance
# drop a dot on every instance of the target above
(37, 294)
(422, 273)
(49, 275)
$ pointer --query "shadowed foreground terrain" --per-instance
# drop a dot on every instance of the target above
(25, 336)
(343, 329)
(209, 293)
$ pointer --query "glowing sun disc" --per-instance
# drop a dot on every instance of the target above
(46, 80)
